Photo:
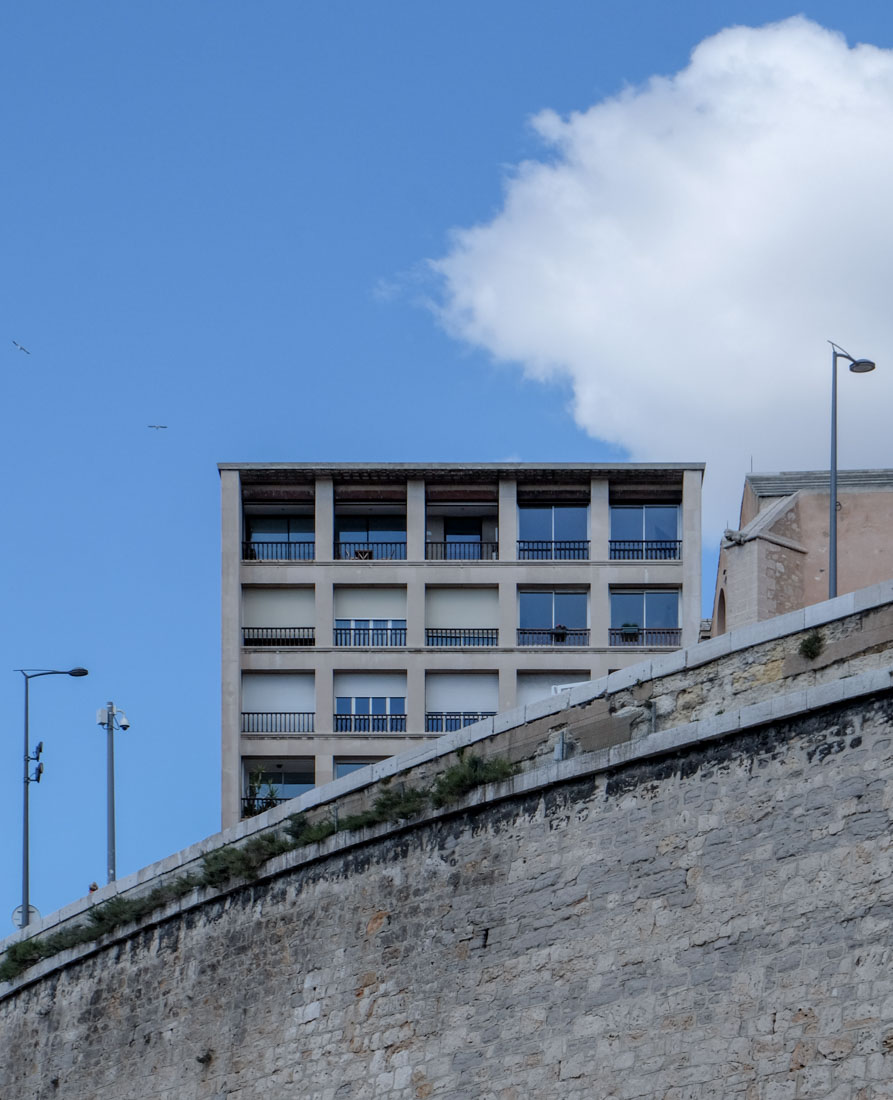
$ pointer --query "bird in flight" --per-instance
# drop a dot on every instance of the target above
(19, 346)
(158, 426)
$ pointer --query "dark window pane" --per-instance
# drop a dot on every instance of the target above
(398, 704)
(343, 704)
(300, 528)
(351, 529)
(387, 529)
(342, 624)
(379, 704)
(626, 523)
(661, 610)
(627, 608)
(570, 609)
(267, 528)
(345, 767)
(534, 523)
(570, 523)
(361, 704)
(536, 610)
(461, 529)
(661, 523)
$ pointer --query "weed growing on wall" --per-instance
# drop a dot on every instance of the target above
(244, 861)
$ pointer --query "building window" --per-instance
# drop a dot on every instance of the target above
(645, 533)
(370, 537)
(553, 618)
(370, 714)
(345, 766)
(370, 632)
(278, 538)
(269, 782)
(557, 532)
(645, 618)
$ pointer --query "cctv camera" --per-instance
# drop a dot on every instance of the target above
(122, 720)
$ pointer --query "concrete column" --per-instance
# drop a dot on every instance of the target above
(599, 610)
(508, 523)
(599, 520)
(508, 614)
(415, 520)
(231, 647)
(415, 612)
(508, 686)
(325, 612)
(415, 697)
(324, 767)
(325, 519)
(325, 701)
(690, 603)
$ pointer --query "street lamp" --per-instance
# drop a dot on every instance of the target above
(112, 718)
(31, 674)
(857, 366)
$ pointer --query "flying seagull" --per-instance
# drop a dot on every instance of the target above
(19, 346)
(156, 426)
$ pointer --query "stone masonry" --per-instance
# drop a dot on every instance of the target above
(701, 910)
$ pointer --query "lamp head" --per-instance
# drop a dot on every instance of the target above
(83, 671)
(862, 366)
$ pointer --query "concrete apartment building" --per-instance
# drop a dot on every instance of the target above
(777, 561)
(367, 608)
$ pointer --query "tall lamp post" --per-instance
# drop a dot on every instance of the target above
(31, 674)
(857, 366)
(112, 718)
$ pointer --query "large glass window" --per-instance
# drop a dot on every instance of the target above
(370, 537)
(269, 782)
(370, 714)
(282, 538)
(643, 532)
(645, 618)
(553, 618)
(345, 766)
(555, 532)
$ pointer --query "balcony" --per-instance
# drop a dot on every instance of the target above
(554, 636)
(645, 549)
(553, 549)
(278, 637)
(462, 551)
(369, 723)
(446, 721)
(277, 721)
(278, 551)
(636, 636)
(370, 635)
(252, 806)
(370, 551)
(461, 637)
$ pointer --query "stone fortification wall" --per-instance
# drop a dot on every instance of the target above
(701, 910)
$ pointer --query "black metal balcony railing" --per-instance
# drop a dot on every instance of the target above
(370, 551)
(553, 550)
(370, 723)
(462, 551)
(370, 635)
(277, 551)
(280, 637)
(645, 549)
(252, 806)
(664, 636)
(461, 636)
(277, 721)
(553, 636)
(446, 721)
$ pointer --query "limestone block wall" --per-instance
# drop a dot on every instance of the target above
(695, 918)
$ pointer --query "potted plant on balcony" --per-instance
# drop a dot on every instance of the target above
(559, 633)
(629, 632)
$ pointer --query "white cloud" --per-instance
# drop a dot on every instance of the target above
(683, 251)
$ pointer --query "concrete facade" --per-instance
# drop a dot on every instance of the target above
(458, 651)
(702, 910)
(778, 559)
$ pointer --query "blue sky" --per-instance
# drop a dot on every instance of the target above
(199, 197)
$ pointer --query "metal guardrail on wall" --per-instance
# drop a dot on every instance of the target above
(277, 721)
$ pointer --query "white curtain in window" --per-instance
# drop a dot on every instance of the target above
(538, 685)
(370, 683)
(278, 691)
(462, 607)
(277, 607)
(370, 603)
(461, 691)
